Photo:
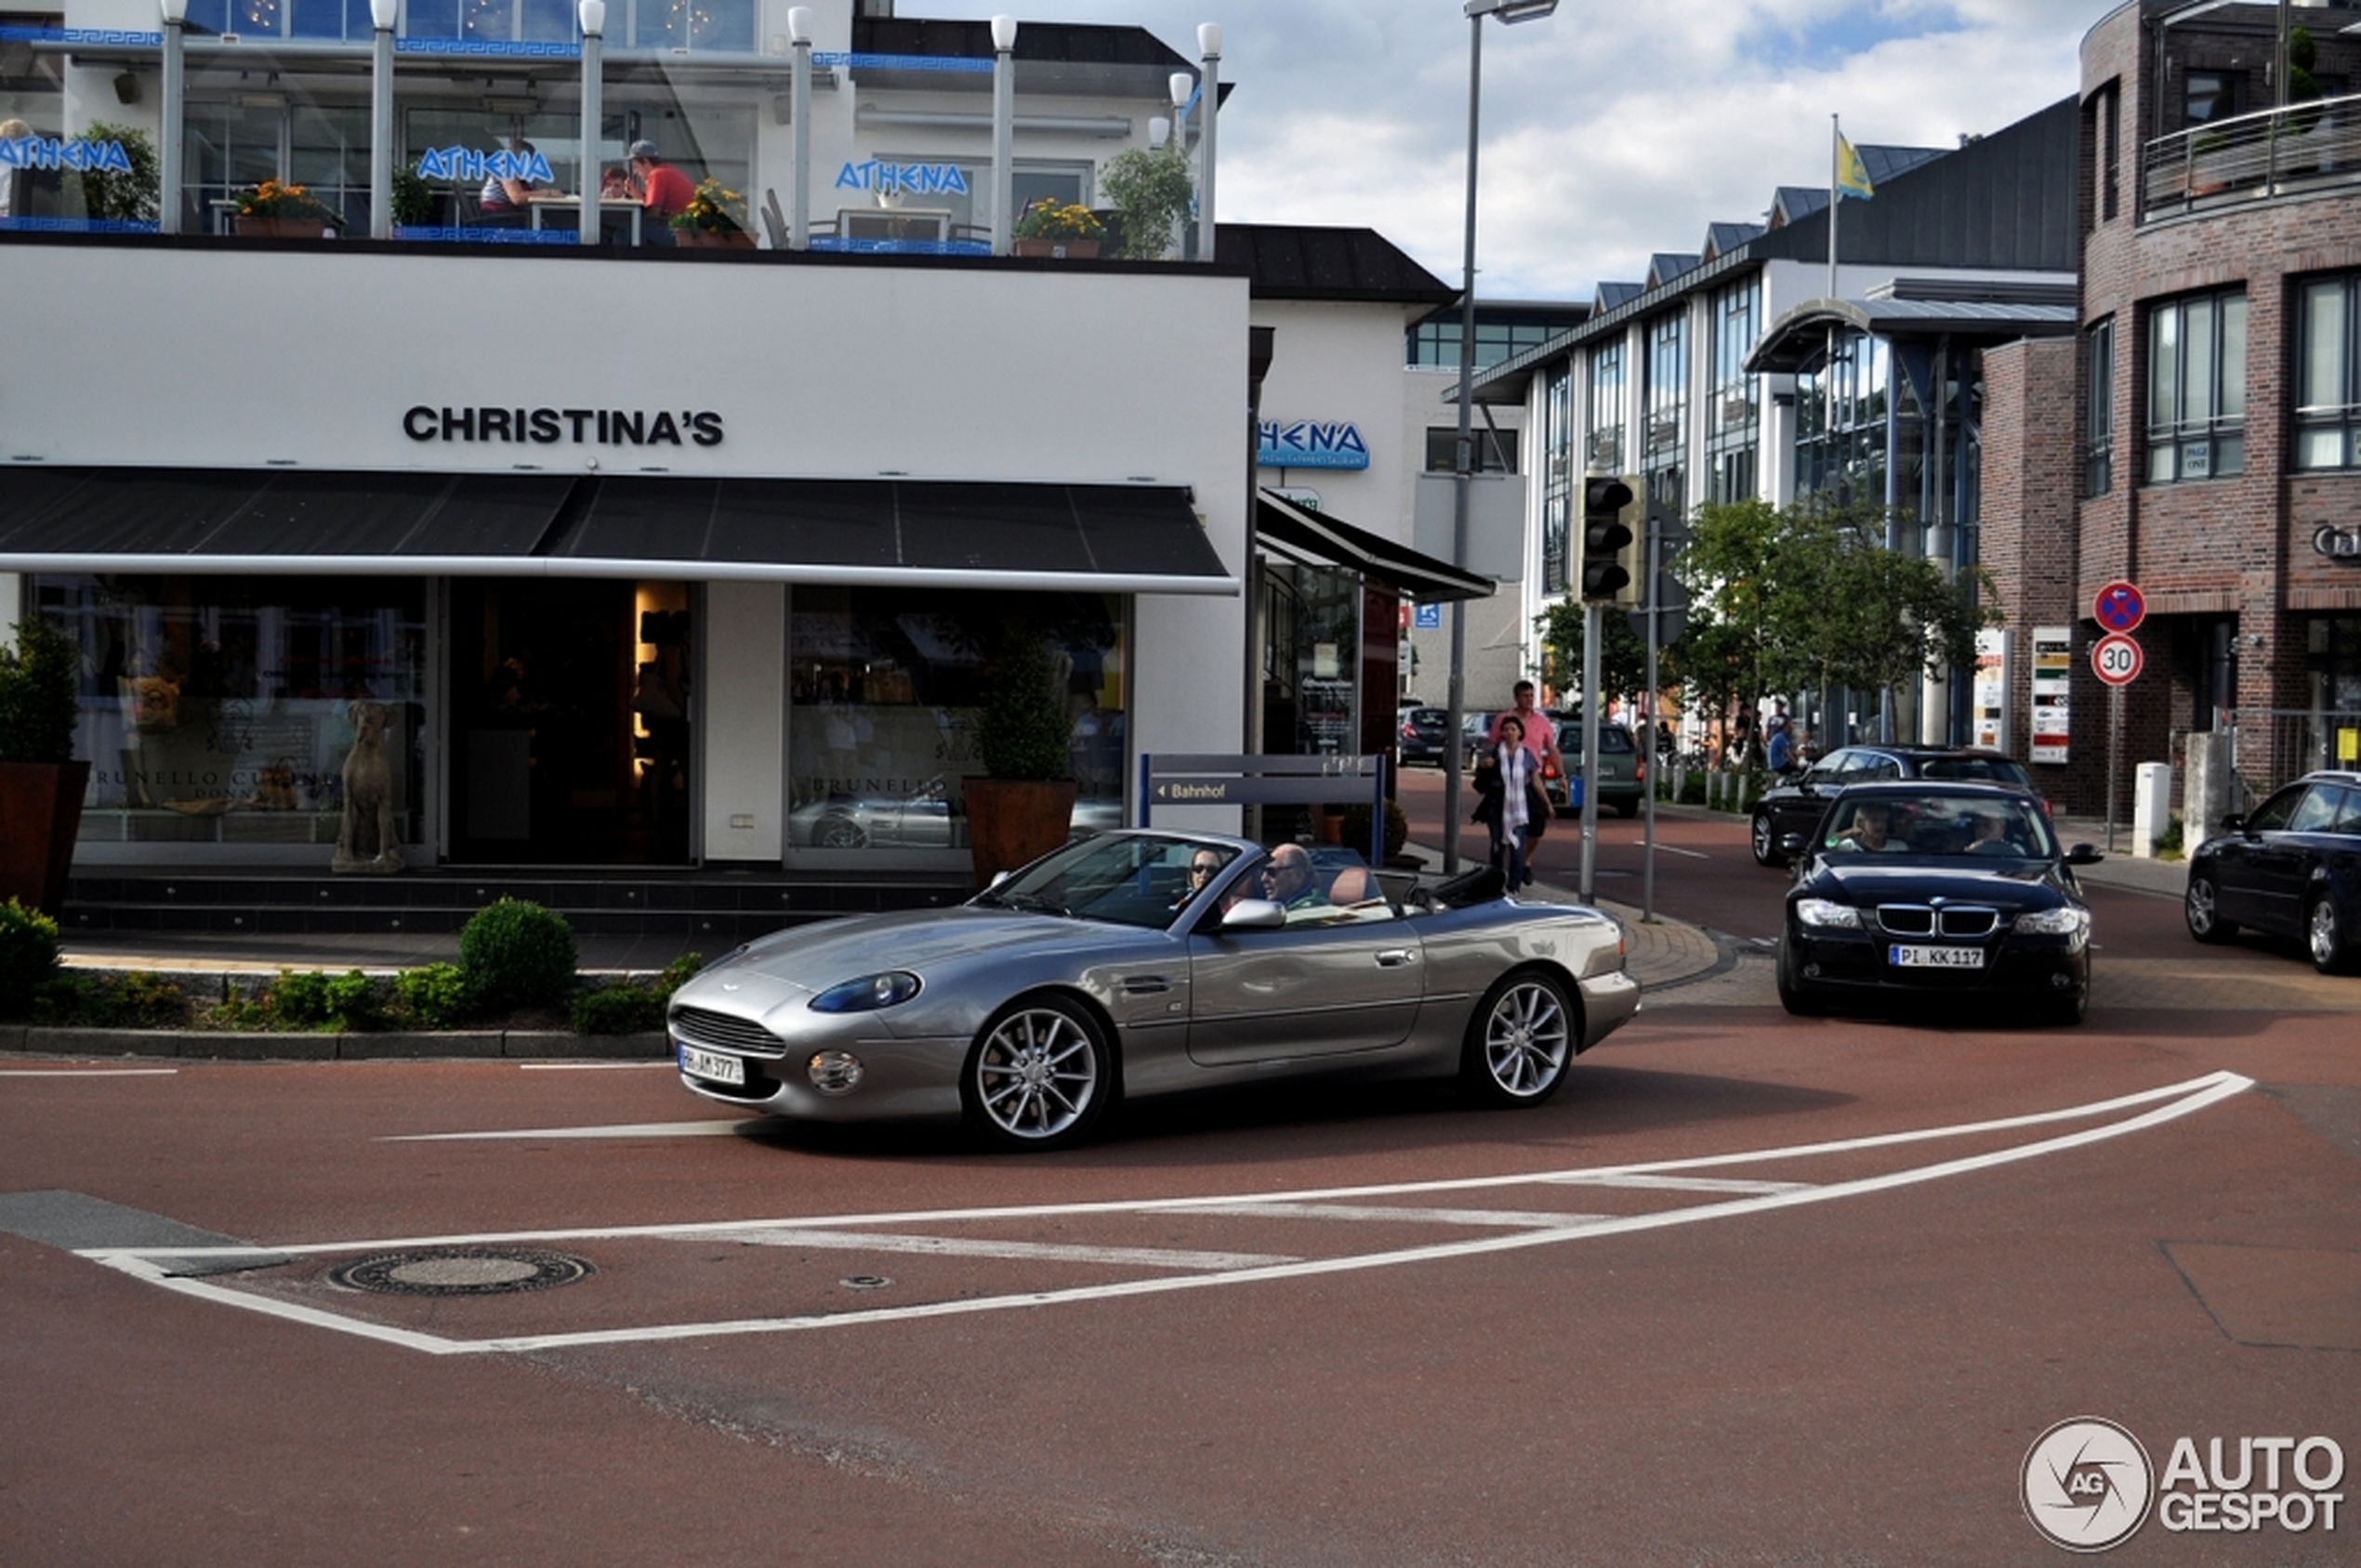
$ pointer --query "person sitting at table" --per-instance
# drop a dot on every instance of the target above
(662, 192)
(615, 185)
(505, 194)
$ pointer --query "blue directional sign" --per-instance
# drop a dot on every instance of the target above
(1427, 617)
(2119, 607)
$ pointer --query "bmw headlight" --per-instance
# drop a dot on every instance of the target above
(1825, 914)
(2063, 921)
(868, 994)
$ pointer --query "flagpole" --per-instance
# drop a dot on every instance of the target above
(1835, 157)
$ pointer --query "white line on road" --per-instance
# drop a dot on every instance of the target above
(667, 1064)
(1678, 1183)
(87, 1072)
(2166, 1103)
(636, 1130)
(1499, 1218)
(1672, 850)
(971, 1246)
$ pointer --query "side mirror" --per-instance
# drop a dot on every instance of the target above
(1255, 915)
(2234, 822)
(999, 878)
(2083, 854)
(1791, 844)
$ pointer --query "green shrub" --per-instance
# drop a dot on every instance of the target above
(310, 999)
(1356, 829)
(28, 955)
(617, 1010)
(1024, 730)
(40, 694)
(125, 1001)
(517, 954)
(677, 972)
(434, 998)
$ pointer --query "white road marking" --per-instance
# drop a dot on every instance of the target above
(1672, 850)
(2165, 1104)
(668, 1064)
(1678, 1183)
(639, 1129)
(970, 1246)
(87, 1072)
(1499, 1218)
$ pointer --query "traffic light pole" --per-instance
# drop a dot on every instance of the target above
(1647, 738)
(1587, 891)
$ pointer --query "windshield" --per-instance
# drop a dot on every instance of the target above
(1131, 879)
(1932, 823)
(1983, 769)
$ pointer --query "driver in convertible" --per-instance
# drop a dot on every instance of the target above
(1288, 878)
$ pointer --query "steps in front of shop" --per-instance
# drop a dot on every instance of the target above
(708, 907)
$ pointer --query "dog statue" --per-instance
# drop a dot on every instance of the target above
(366, 840)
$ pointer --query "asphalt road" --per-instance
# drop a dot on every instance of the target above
(1863, 1265)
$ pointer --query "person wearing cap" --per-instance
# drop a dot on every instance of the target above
(662, 191)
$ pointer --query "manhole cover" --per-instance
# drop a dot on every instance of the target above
(462, 1270)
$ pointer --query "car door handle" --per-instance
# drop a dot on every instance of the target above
(1146, 985)
(1394, 958)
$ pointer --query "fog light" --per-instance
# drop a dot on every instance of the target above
(1811, 972)
(835, 1071)
(2062, 981)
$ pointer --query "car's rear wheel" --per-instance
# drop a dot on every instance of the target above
(2201, 906)
(1520, 1041)
(839, 833)
(2324, 936)
(1792, 995)
(1040, 1075)
(1763, 836)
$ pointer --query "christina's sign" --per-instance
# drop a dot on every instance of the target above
(1306, 443)
(462, 163)
(2340, 545)
(574, 427)
(903, 179)
(48, 153)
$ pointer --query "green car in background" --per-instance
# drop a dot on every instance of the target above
(1622, 772)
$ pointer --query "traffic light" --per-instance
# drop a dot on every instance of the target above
(1609, 510)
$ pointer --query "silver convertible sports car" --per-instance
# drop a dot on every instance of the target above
(1137, 964)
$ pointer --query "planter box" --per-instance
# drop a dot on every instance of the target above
(287, 228)
(1013, 822)
(714, 239)
(40, 813)
(1064, 250)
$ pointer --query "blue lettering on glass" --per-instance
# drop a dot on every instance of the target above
(1305, 443)
(922, 179)
(461, 162)
(48, 153)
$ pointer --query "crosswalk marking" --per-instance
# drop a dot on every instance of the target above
(1674, 1183)
(974, 1247)
(1506, 1219)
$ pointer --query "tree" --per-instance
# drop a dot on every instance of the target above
(1623, 653)
(1152, 194)
(113, 195)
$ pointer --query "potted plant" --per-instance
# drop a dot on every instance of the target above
(282, 211)
(1152, 194)
(414, 200)
(41, 784)
(1060, 229)
(714, 216)
(112, 196)
(1023, 807)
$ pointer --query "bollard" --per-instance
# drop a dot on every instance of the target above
(2151, 807)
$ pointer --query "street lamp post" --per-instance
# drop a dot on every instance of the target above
(176, 18)
(592, 15)
(1463, 468)
(800, 111)
(1004, 133)
(383, 14)
(1209, 90)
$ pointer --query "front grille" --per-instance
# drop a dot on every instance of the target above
(1919, 920)
(701, 1026)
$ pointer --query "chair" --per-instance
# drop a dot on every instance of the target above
(1352, 885)
(774, 223)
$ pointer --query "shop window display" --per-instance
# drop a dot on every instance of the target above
(885, 689)
(220, 710)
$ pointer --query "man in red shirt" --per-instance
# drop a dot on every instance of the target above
(1541, 734)
(662, 191)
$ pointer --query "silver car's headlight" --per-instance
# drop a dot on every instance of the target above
(2065, 920)
(1826, 915)
(867, 994)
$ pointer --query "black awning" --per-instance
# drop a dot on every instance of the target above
(1422, 578)
(1107, 538)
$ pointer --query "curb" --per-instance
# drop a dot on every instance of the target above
(201, 1044)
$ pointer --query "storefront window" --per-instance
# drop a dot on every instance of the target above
(885, 689)
(219, 710)
(1312, 658)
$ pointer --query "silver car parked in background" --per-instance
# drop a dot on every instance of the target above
(1138, 964)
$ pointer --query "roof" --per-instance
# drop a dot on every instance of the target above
(1799, 337)
(1062, 43)
(1295, 261)
(1665, 265)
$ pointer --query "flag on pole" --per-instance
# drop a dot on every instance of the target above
(1852, 174)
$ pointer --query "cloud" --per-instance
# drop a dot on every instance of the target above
(1610, 131)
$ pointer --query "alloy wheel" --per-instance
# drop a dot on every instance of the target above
(1037, 1076)
(1526, 1042)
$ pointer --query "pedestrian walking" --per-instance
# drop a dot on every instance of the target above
(1510, 803)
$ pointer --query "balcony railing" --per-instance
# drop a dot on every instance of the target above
(2261, 157)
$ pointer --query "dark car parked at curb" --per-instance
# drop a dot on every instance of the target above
(1420, 736)
(2291, 867)
(1929, 890)
(1795, 805)
(1621, 774)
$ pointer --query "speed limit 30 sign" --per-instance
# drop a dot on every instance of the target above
(2115, 659)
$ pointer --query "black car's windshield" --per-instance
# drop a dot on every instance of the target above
(1938, 825)
(1981, 770)
(1131, 879)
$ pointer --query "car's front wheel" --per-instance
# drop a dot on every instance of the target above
(1040, 1075)
(1520, 1041)
(1763, 836)
(1792, 995)
(2201, 906)
(839, 833)
(2323, 937)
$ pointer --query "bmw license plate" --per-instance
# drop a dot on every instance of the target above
(1902, 957)
(713, 1066)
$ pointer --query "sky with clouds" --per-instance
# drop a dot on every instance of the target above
(1612, 130)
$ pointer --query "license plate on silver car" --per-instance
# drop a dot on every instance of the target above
(713, 1066)
(1902, 957)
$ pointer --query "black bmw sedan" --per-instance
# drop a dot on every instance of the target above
(2292, 866)
(1930, 889)
(1795, 803)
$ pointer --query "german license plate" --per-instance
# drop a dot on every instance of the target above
(713, 1066)
(1904, 956)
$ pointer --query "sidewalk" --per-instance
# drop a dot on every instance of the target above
(2121, 868)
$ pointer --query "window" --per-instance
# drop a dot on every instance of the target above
(2213, 95)
(1842, 411)
(2110, 152)
(2198, 387)
(1603, 442)
(1733, 408)
(1495, 451)
(2098, 432)
(1665, 451)
(1557, 477)
(1435, 343)
(2327, 374)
